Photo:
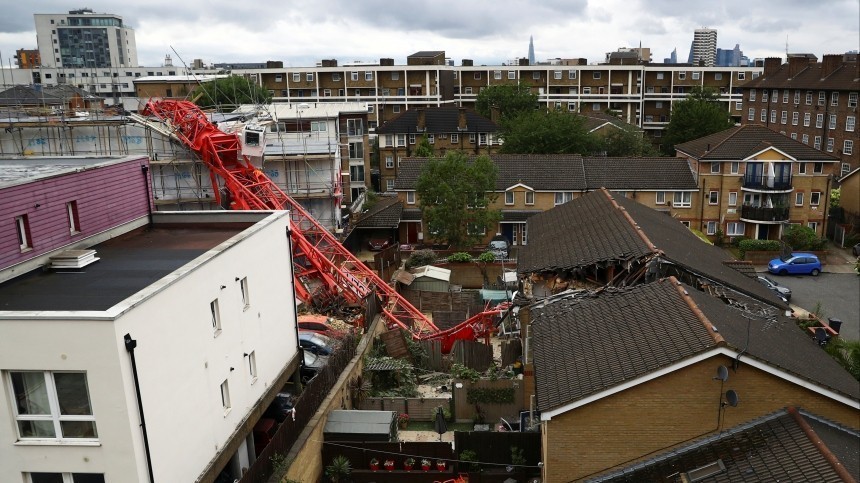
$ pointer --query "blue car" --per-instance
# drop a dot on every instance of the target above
(796, 264)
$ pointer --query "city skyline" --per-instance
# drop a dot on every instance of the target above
(307, 33)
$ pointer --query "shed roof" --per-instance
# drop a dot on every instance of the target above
(431, 271)
(342, 421)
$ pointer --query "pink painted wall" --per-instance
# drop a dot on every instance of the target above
(106, 197)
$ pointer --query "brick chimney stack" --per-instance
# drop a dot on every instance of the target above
(796, 65)
(461, 120)
(829, 64)
(771, 65)
(422, 120)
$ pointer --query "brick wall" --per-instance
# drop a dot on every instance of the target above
(667, 411)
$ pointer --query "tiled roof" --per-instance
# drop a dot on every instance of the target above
(744, 266)
(593, 341)
(437, 120)
(594, 120)
(583, 345)
(586, 231)
(26, 95)
(741, 142)
(571, 172)
(776, 447)
(384, 214)
(518, 215)
(410, 214)
(844, 78)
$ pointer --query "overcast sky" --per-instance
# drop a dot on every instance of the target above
(302, 32)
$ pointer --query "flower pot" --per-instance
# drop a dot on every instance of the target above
(425, 467)
(389, 465)
(374, 467)
(407, 467)
(441, 466)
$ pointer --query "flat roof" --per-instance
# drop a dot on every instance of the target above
(128, 264)
(21, 170)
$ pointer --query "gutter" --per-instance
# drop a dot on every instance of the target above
(130, 345)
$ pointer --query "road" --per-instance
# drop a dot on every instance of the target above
(838, 294)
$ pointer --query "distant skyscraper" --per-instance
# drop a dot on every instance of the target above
(82, 38)
(704, 48)
(531, 50)
(673, 57)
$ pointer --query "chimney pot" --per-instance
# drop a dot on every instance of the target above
(829, 64)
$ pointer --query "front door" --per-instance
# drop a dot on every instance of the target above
(412, 232)
(762, 232)
(508, 232)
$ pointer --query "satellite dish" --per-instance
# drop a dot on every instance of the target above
(722, 373)
(732, 398)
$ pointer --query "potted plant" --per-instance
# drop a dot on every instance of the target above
(403, 420)
(374, 464)
(441, 465)
(340, 468)
(408, 463)
(389, 465)
(425, 464)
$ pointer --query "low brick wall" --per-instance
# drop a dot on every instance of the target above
(763, 257)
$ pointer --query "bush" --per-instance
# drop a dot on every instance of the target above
(487, 257)
(421, 258)
(459, 257)
(802, 238)
(752, 245)
(736, 240)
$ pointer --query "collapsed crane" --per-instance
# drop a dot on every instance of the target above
(324, 270)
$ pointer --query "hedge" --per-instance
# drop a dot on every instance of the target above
(754, 245)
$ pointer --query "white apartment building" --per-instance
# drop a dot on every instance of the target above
(85, 39)
(705, 47)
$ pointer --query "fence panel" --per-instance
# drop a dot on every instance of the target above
(418, 409)
(475, 355)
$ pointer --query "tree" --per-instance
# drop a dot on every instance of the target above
(509, 99)
(553, 132)
(228, 93)
(454, 196)
(424, 149)
(623, 142)
(700, 114)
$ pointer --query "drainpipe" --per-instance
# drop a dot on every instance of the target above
(130, 345)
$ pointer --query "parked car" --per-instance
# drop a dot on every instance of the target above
(320, 325)
(783, 292)
(796, 264)
(311, 365)
(281, 407)
(377, 244)
(499, 247)
(317, 344)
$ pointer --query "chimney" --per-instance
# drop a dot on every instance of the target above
(796, 65)
(422, 124)
(523, 61)
(829, 64)
(386, 61)
(461, 120)
(771, 65)
(494, 114)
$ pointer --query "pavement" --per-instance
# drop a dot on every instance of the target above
(839, 260)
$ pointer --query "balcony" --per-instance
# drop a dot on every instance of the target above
(768, 183)
(764, 215)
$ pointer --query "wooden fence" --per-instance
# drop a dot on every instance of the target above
(467, 300)
(360, 455)
(418, 409)
(487, 410)
(494, 450)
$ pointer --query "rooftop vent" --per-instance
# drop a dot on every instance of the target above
(703, 472)
(73, 259)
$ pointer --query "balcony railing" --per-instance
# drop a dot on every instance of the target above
(765, 182)
(760, 213)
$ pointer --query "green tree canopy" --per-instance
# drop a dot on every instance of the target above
(623, 142)
(509, 99)
(553, 132)
(700, 114)
(424, 149)
(228, 93)
(454, 196)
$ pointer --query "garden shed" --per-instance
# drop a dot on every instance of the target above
(430, 278)
(359, 425)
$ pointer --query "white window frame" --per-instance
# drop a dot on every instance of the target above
(660, 198)
(536, 74)
(848, 147)
(804, 138)
(697, 75)
(813, 225)
(815, 198)
(763, 116)
(822, 98)
(817, 143)
(562, 197)
(368, 75)
(783, 117)
(796, 97)
(512, 74)
(54, 411)
(834, 98)
(497, 75)
(660, 76)
(718, 76)
(389, 161)
(798, 198)
(73, 217)
(830, 145)
(476, 75)
(751, 114)
(411, 138)
(335, 76)
(752, 94)
(309, 77)
(353, 75)
(795, 118)
(773, 116)
(215, 317)
(431, 138)
(735, 167)
(715, 168)
(818, 168)
(831, 124)
(25, 238)
(733, 198)
(742, 75)
(395, 75)
(571, 73)
(401, 140)
(682, 199)
(530, 197)
(246, 295)
(509, 197)
(410, 197)
(713, 197)
(389, 185)
(852, 99)
(801, 168)
(252, 366)
(389, 140)
(850, 123)
(297, 76)
(844, 169)
(225, 396)
(735, 228)
(556, 74)
(682, 75)
(711, 228)
(455, 138)
(785, 95)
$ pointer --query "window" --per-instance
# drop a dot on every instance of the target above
(410, 197)
(682, 75)
(735, 228)
(318, 126)
(659, 76)
(497, 74)
(243, 287)
(353, 76)
(467, 90)
(536, 74)
(852, 99)
(530, 197)
(472, 138)
(509, 197)
(813, 225)
(718, 76)
(395, 75)
(808, 98)
(845, 169)
(829, 145)
(814, 198)
(818, 168)
(475, 229)
(798, 198)
(817, 142)
(752, 94)
(225, 395)
(795, 118)
(742, 75)
(819, 120)
(834, 98)
(773, 116)
(764, 95)
(571, 74)
(783, 118)
(335, 76)
(74, 220)
(658, 104)
(832, 123)
(389, 185)
(682, 199)
(386, 91)
(216, 317)
(25, 240)
(713, 197)
(751, 114)
(785, 96)
(431, 139)
(411, 139)
(801, 168)
(482, 139)
(476, 75)
(822, 98)
(252, 366)
(297, 76)
(395, 109)
(401, 140)
(389, 161)
(52, 405)
(794, 136)
(661, 198)
(733, 198)
(512, 74)
(850, 122)
(596, 75)
(562, 197)
(712, 228)
(735, 167)
(763, 117)
(739, 105)
(556, 75)
(389, 140)
(354, 127)
(715, 167)
(848, 147)
(64, 477)
(796, 97)
(686, 223)
(368, 75)
(309, 76)
(455, 138)
(586, 90)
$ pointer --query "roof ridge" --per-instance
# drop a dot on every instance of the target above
(737, 130)
(822, 448)
(632, 222)
(709, 326)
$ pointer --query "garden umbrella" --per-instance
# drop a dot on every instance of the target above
(440, 425)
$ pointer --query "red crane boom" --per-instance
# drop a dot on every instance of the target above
(323, 268)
